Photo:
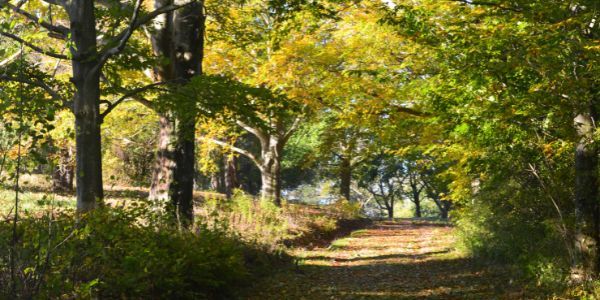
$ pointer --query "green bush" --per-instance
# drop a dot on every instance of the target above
(119, 253)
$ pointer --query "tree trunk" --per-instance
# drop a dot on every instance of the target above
(586, 200)
(63, 173)
(231, 179)
(271, 182)
(345, 177)
(182, 186)
(417, 201)
(178, 37)
(162, 174)
(188, 52)
(446, 205)
(86, 104)
(270, 168)
(390, 211)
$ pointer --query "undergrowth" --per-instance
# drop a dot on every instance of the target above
(131, 253)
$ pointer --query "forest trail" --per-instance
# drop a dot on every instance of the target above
(391, 260)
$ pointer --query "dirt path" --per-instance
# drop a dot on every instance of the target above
(390, 260)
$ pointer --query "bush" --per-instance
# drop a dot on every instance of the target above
(255, 221)
(119, 253)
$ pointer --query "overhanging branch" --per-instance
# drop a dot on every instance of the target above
(131, 94)
(32, 46)
(243, 152)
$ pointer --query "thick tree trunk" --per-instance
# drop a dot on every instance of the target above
(63, 173)
(178, 37)
(345, 177)
(231, 179)
(162, 174)
(182, 186)
(270, 168)
(443, 205)
(390, 211)
(86, 104)
(188, 52)
(586, 200)
(271, 182)
(417, 201)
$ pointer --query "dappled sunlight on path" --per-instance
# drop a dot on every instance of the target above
(390, 260)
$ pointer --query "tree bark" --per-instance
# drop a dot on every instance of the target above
(179, 38)
(86, 104)
(270, 169)
(271, 181)
(231, 178)
(345, 177)
(417, 202)
(162, 173)
(63, 173)
(390, 211)
(188, 52)
(586, 200)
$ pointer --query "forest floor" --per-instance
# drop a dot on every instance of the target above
(403, 259)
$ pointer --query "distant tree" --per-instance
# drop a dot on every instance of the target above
(384, 177)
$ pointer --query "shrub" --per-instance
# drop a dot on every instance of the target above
(119, 253)
(253, 220)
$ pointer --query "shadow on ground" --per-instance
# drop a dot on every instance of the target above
(391, 260)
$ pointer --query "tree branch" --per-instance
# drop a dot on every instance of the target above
(32, 46)
(255, 131)
(291, 130)
(243, 152)
(55, 2)
(487, 3)
(38, 82)
(407, 110)
(10, 59)
(62, 30)
(122, 38)
(130, 94)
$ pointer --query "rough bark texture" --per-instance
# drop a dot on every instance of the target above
(271, 168)
(64, 172)
(164, 163)
(162, 173)
(86, 104)
(188, 52)
(586, 200)
(231, 176)
(345, 177)
(179, 38)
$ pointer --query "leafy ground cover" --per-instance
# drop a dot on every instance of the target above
(402, 259)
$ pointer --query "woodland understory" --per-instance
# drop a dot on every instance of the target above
(295, 149)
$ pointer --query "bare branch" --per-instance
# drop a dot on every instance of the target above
(243, 152)
(10, 59)
(123, 37)
(130, 94)
(32, 46)
(255, 131)
(292, 128)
